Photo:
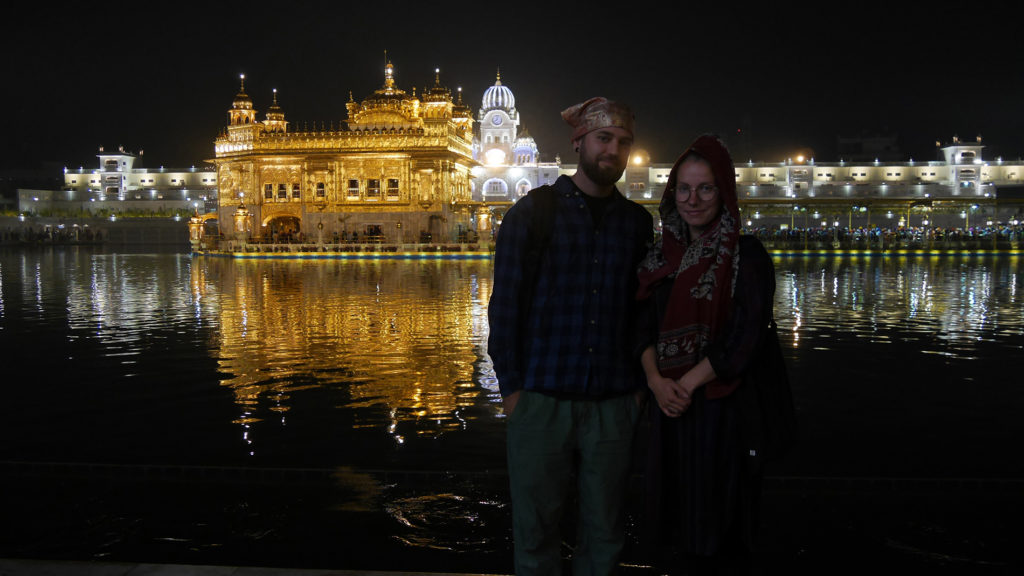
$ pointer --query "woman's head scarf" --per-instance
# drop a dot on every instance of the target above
(703, 268)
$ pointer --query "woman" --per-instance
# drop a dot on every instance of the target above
(708, 294)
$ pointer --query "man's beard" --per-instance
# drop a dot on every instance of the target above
(598, 174)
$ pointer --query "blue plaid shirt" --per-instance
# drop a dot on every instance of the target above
(578, 334)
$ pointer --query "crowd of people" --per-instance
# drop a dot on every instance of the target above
(861, 237)
(36, 234)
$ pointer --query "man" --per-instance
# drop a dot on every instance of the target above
(560, 339)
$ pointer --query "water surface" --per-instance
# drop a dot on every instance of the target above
(365, 387)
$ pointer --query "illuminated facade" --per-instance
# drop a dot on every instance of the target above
(398, 169)
(961, 190)
(119, 185)
(510, 164)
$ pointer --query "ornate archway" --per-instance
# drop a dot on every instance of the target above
(281, 228)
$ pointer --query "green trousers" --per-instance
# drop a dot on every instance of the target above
(551, 441)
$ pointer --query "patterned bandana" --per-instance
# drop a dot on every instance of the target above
(597, 113)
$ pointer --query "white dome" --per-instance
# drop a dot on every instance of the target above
(498, 97)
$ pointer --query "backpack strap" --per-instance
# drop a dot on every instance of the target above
(542, 222)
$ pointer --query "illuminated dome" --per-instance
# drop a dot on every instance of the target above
(498, 97)
(386, 108)
(388, 96)
(275, 112)
(275, 116)
(242, 100)
(437, 93)
(525, 149)
(460, 110)
(241, 112)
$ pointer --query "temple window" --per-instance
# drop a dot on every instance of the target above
(353, 189)
(320, 190)
(295, 192)
(282, 191)
(268, 191)
(372, 189)
(392, 189)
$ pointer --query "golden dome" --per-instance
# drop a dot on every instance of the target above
(386, 107)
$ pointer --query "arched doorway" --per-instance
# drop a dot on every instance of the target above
(282, 229)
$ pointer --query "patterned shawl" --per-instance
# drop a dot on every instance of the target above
(704, 270)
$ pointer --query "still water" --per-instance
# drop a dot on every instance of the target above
(143, 368)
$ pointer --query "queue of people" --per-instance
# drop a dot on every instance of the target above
(596, 326)
(35, 234)
(911, 237)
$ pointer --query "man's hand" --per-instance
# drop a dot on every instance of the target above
(509, 402)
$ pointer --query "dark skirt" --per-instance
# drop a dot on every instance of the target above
(702, 490)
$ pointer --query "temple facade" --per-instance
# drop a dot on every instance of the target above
(398, 171)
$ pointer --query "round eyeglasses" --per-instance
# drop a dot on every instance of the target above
(704, 191)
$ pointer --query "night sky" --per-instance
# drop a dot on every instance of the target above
(771, 82)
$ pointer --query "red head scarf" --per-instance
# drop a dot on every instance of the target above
(703, 268)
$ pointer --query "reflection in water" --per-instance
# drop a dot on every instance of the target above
(366, 366)
(948, 304)
(405, 336)
(399, 347)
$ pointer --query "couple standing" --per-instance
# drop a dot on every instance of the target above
(585, 304)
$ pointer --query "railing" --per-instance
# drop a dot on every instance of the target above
(215, 244)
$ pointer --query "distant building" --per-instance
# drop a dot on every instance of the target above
(118, 186)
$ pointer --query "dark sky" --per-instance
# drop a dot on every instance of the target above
(770, 81)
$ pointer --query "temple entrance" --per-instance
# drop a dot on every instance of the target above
(373, 233)
(283, 229)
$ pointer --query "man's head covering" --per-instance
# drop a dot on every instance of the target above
(597, 113)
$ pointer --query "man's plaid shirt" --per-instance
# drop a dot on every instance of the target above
(578, 338)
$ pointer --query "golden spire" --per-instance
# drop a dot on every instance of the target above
(241, 89)
(498, 81)
(389, 73)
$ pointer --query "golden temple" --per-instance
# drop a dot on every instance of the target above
(397, 171)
